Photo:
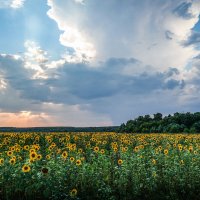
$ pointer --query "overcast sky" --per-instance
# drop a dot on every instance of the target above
(97, 62)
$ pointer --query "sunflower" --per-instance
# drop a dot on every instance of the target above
(33, 155)
(102, 151)
(53, 144)
(26, 147)
(1, 161)
(153, 161)
(160, 148)
(49, 140)
(9, 153)
(32, 150)
(12, 148)
(78, 162)
(50, 148)
(195, 152)
(120, 161)
(12, 161)
(191, 148)
(72, 159)
(80, 150)
(180, 148)
(26, 168)
(96, 149)
(39, 156)
(136, 149)
(181, 162)
(166, 151)
(73, 192)
(58, 151)
(64, 154)
(48, 157)
(37, 147)
(30, 161)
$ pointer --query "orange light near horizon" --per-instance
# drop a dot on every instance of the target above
(25, 119)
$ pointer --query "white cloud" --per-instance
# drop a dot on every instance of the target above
(15, 4)
(148, 31)
(3, 84)
(79, 1)
(73, 37)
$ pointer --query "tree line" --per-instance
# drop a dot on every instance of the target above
(176, 123)
(60, 129)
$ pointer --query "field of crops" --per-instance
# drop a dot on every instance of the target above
(99, 166)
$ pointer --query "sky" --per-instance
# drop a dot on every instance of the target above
(97, 63)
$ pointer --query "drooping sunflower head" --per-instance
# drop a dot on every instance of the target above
(45, 170)
(153, 161)
(73, 192)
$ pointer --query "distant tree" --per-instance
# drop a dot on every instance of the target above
(174, 128)
(157, 116)
(177, 123)
(196, 126)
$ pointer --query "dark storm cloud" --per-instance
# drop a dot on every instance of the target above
(77, 82)
(91, 83)
(20, 79)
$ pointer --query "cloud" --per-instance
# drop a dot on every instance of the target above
(83, 89)
(79, 46)
(183, 10)
(194, 39)
(15, 4)
(79, 1)
(144, 30)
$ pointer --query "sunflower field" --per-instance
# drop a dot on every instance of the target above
(62, 166)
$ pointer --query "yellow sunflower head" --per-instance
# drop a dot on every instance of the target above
(26, 168)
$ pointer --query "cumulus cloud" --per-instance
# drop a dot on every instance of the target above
(80, 48)
(144, 30)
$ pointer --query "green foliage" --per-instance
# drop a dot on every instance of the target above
(131, 166)
(177, 123)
